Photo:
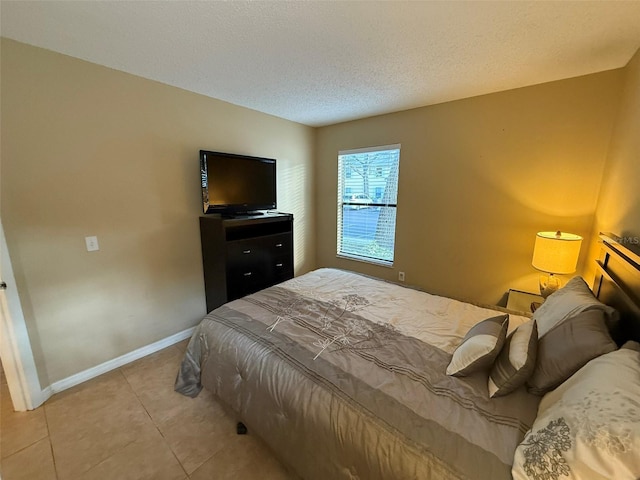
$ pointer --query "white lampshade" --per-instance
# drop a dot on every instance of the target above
(556, 252)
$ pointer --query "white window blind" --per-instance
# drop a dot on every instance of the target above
(367, 203)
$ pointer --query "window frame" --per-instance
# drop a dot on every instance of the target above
(341, 203)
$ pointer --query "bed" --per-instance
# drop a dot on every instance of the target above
(345, 376)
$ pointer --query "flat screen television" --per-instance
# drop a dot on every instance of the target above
(237, 184)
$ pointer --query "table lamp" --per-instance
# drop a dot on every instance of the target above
(555, 253)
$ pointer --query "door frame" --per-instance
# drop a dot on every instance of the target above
(15, 347)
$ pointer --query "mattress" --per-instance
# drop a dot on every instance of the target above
(344, 376)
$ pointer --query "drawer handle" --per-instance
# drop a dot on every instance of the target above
(278, 245)
(278, 264)
(246, 251)
(248, 274)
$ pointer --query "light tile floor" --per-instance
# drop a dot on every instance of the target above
(129, 424)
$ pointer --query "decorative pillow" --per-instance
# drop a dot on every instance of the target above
(567, 347)
(570, 300)
(480, 346)
(589, 427)
(516, 361)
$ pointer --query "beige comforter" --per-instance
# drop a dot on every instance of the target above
(343, 376)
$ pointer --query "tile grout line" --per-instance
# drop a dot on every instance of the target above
(207, 459)
(26, 446)
(48, 434)
(105, 459)
(23, 448)
(154, 422)
(53, 456)
(115, 451)
(90, 468)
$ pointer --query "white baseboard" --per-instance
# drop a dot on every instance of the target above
(118, 362)
(45, 395)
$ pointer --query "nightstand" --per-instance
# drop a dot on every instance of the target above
(523, 301)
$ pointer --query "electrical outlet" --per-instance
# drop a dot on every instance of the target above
(401, 276)
(92, 244)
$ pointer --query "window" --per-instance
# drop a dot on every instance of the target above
(367, 203)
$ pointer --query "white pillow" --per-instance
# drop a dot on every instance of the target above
(480, 346)
(589, 427)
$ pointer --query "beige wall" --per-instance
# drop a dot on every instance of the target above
(87, 150)
(619, 203)
(478, 178)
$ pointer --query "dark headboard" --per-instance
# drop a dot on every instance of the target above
(617, 282)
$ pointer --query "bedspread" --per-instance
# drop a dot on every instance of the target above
(343, 376)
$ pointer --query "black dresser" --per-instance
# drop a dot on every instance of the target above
(242, 255)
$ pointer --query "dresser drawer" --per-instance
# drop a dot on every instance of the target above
(278, 244)
(244, 252)
(244, 282)
(282, 268)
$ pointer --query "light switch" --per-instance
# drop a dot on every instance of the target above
(92, 244)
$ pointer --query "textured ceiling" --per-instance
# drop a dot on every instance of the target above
(320, 63)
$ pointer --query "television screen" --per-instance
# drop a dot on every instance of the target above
(235, 184)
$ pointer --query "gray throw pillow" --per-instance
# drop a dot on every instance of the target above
(480, 346)
(567, 347)
(516, 361)
(575, 297)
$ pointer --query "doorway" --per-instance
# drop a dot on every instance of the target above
(15, 348)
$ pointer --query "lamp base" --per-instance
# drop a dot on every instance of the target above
(548, 284)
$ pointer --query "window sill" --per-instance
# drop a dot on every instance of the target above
(373, 261)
